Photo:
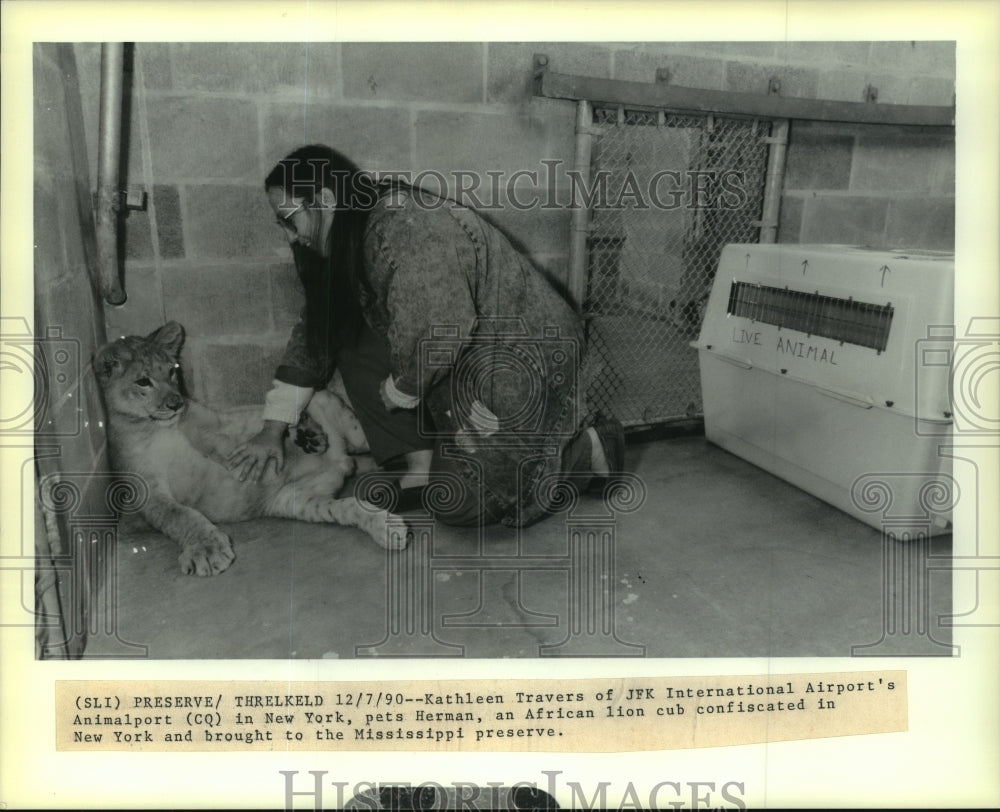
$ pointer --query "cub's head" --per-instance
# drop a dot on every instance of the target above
(139, 376)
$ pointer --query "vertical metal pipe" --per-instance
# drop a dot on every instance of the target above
(107, 215)
(580, 227)
(775, 180)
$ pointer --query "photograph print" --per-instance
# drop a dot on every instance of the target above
(493, 349)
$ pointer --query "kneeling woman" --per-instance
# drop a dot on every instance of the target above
(461, 360)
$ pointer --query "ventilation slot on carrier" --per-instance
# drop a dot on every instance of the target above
(844, 320)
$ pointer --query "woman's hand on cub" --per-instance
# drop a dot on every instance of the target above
(263, 452)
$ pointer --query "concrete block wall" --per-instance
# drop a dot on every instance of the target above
(869, 185)
(207, 121)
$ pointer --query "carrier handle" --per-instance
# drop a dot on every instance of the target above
(736, 361)
(854, 400)
(742, 363)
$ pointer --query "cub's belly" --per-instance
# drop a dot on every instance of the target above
(208, 487)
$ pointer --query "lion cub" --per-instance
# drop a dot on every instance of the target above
(180, 447)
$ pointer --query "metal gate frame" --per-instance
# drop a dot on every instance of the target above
(661, 98)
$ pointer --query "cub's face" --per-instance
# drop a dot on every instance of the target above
(139, 376)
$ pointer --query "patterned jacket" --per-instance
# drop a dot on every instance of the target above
(448, 286)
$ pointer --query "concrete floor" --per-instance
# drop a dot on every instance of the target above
(722, 560)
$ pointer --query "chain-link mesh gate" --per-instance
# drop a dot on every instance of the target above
(678, 188)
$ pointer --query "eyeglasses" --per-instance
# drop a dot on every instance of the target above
(285, 220)
(288, 217)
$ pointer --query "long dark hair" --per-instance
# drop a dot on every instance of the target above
(334, 285)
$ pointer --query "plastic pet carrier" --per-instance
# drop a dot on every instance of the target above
(813, 364)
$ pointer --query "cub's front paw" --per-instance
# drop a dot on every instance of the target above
(208, 556)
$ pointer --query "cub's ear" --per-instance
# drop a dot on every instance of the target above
(111, 359)
(170, 337)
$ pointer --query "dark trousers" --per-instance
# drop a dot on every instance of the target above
(363, 368)
(473, 480)
(394, 433)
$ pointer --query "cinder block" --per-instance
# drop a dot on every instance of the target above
(823, 54)
(934, 91)
(924, 58)
(891, 88)
(272, 352)
(257, 67)
(898, 163)
(683, 70)
(213, 301)
(735, 49)
(154, 60)
(138, 237)
(169, 228)
(323, 76)
(943, 183)
(372, 137)
(226, 222)
(414, 71)
(286, 297)
(795, 82)
(842, 85)
(639, 62)
(790, 219)
(143, 308)
(228, 375)
(542, 187)
(484, 142)
(818, 160)
(195, 138)
(510, 65)
(694, 71)
(848, 219)
(921, 223)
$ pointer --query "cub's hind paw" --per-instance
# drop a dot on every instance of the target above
(310, 437)
(207, 557)
(390, 531)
